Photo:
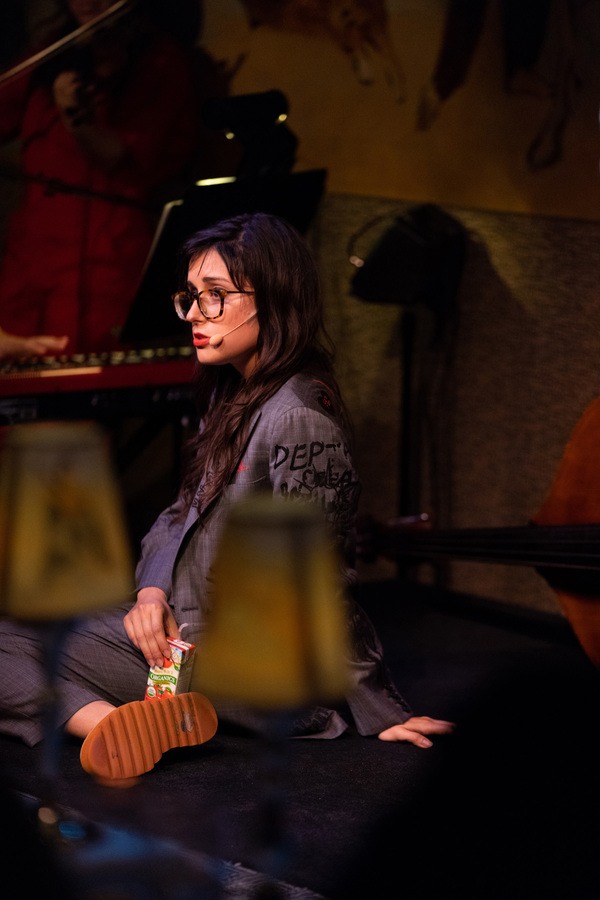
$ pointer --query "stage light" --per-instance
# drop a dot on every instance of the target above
(418, 261)
(257, 121)
(245, 111)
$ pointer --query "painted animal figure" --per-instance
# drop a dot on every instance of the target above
(360, 28)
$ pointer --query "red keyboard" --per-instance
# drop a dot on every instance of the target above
(128, 369)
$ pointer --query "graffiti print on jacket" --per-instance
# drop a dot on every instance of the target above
(319, 472)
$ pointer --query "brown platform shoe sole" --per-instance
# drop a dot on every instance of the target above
(130, 740)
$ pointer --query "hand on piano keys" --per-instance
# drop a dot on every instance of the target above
(13, 346)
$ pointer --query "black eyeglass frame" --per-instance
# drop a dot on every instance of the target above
(196, 297)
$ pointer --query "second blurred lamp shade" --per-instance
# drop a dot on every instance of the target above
(276, 637)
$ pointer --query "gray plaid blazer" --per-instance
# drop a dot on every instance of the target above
(296, 448)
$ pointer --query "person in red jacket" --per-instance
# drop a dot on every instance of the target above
(102, 126)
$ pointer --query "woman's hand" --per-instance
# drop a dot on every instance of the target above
(149, 623)
(414, 730)
(75, 102)
(14, 347)
(66, 88)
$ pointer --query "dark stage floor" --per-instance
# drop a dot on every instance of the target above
(505, 808)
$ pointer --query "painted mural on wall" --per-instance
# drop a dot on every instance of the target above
(359, 28)
(539, 59)
(483, 103)
(479, 103)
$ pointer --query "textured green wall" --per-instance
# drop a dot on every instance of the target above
(498, 400)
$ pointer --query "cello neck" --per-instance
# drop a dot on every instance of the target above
(541, 546)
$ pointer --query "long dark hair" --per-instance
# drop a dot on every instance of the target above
(270, 255)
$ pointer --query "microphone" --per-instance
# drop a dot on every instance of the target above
(217, 339)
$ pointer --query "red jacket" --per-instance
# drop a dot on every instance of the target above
(72, 263)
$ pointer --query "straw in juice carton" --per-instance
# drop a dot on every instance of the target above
(173, 677)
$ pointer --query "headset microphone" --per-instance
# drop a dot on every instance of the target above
(217, 339)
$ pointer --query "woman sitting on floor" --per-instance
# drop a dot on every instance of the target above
(265, 382)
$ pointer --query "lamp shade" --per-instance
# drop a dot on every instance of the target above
(64, 550)
(276, 636)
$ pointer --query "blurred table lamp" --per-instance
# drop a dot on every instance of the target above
(64, 551)
(276, 637)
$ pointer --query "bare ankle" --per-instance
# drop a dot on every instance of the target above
(81, 723)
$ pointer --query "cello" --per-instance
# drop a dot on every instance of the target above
(574, 498)
(562, 540)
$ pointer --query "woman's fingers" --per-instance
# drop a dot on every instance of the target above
(147, 625)
(427, 725)
(415, 731)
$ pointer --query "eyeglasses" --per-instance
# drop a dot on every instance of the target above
(210, 302)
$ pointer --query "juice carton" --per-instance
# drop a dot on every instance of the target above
(173, 677)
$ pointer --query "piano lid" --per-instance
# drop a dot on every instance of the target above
(294, 197)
